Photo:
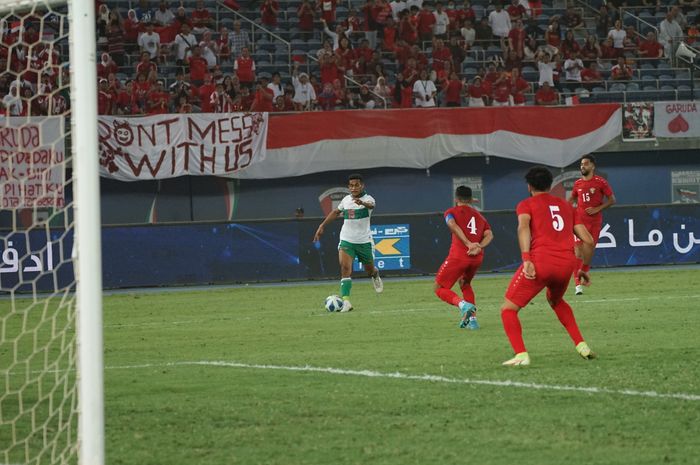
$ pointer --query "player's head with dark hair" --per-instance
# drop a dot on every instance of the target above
(463, 193)
(356, 185)
(587, 166)
(539, 178)
(357, 176)
(589, 157)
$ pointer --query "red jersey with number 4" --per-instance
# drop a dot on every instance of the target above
(552, 222)
(471, 223)
(590, 193)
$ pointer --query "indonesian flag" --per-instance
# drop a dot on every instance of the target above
(419, 138)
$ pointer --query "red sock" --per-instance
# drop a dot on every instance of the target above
(579, 264)
(511, 323)
(468, 293)
(567, 319)
(446, 295)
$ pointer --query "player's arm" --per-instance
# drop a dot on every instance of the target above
(331, 217)
(368, 204)
(479, 246)
(573, 197)
(587, 248)
(524, 240)
(457, 231)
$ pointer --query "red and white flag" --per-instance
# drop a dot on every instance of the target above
(419, 138)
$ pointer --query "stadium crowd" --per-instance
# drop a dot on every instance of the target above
(158, 59)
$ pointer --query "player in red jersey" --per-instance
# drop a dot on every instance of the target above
(588, 194)
(470, 234)
(545, 227)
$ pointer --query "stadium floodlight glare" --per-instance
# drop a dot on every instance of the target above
(51, 312)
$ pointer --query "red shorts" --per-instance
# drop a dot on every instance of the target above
(453, 269)
(593, 228)
(554, 275)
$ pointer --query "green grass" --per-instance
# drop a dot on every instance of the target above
(164, 408)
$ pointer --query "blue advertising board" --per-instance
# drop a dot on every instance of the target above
(392, 247)
(214, 253)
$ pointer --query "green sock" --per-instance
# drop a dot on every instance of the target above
(345, 286)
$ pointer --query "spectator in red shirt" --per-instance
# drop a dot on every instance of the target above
(478, 94)
(516, 38)
(159, 100)
(391, 33)
(553, 34)
(145, 65)
(204, 92)
(328, 68)
(607, 51)
(132, 28)
(441, 54)
(201, 19)
(408, 28)
(545, 95)
(591, 76)
(403, 92)
(268, 13)
(453, 90)
(516, 11)
(198, 66)
(501, 91)
(327, 9)
(125, 100)
(631, 41)
(306, 15)
(569, 44)
(651, 49)
(140, 88)
(104, 98)
(426, 20)
(591, 50)
(244, 66)
(183, 105)
(621, 71)
(106, 66)
(518, 87)
(326, 98)
(220, 100)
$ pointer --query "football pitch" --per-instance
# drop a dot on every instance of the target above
(264, 375)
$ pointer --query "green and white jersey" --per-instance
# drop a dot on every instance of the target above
(356, 229)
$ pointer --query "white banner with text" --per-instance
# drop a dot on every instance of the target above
(32, 162)
(168, 146)
(677, 119)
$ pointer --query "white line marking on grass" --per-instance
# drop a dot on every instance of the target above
(426, 377)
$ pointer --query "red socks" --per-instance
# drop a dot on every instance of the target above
(446, 295)
(567, 319)
(579, 264)
(468, 293)
(511, 323)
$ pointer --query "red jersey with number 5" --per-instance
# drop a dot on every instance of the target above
(471, 223)
(552, 222)
(590, 193)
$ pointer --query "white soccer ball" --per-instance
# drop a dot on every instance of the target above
(334, 303)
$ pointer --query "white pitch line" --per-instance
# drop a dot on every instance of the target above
(426, 377)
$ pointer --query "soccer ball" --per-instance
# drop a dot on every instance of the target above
(334, 303)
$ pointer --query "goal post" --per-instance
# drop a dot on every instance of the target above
(51, 343)
(83, 61)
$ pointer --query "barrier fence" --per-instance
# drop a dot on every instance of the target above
(219, 253)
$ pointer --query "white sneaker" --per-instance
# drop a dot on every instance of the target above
(521, 359)
(377, 283)
(347, 306)
(579, 290)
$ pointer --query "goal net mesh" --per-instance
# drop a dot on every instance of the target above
(38, 353)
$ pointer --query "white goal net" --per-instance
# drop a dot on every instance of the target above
(47, 415)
